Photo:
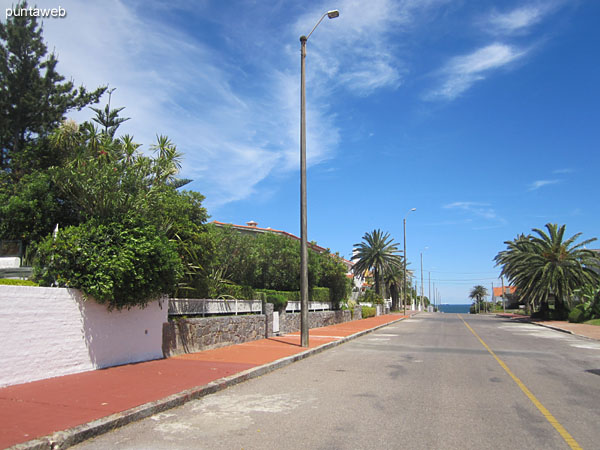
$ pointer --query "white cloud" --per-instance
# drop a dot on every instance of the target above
(461, 72)
(563, 171)
(482, 210)
(521, 19)
(232, 135)
(172, 83)
(357, 50)
(541, 183)
(518, 19)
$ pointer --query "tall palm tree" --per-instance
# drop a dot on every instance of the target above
(478, 293)
(548, 266)
(378, 253)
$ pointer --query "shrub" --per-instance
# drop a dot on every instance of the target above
(11, 282)
(368, 311)
(279, 302)
(577, 314)
(120, 265)
(370, 296)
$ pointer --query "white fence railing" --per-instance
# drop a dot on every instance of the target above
(188, 306)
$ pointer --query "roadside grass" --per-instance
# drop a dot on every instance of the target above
(593, 322)
(14, 282)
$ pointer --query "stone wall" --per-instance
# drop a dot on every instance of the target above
(194, 335)
(290, 322)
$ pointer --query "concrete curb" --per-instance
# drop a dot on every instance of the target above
(80, 433)
(556, 329)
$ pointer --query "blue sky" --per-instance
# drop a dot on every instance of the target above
(483, 115)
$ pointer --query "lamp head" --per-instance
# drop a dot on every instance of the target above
(333, 14)
(413, 209)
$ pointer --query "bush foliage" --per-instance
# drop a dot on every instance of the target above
(370, 296)
(578, 315)
(279, 302)
(120, 265)
(368, 311)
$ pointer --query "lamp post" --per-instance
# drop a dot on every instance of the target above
(404, 224)
(303, 242)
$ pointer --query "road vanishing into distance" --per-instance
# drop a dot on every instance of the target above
(436, 381)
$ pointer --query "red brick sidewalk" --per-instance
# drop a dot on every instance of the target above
(32, 410)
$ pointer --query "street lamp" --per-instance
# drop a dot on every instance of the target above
(303, 243)
(404, 223)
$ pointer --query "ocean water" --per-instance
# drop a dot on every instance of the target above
(464, 309)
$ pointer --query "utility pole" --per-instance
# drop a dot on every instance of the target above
(416, 295)
(492, 297)
(422, 293)
(430, 302)
(503, 300)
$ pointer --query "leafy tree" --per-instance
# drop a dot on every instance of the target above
(278, 265)
(33, 97)
(477, 294)
(378, 253)
(30, 208)
(333, 276)
(546, 265)
(269, 261)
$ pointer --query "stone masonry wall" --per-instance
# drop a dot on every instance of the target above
(194, 335)
(290, 322)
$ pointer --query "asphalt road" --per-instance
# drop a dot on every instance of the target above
(424, 383)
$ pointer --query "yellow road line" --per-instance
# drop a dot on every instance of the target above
(549, 417)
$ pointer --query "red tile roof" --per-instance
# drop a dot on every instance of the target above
(271, 230)
(507, 290)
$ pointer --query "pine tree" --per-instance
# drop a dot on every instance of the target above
(34, 98)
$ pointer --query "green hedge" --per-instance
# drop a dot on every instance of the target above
(317, 294)
(238, 292)
(368, 311)
(11, 282)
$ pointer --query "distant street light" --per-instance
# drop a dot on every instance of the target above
(303, 242)
(404, 223)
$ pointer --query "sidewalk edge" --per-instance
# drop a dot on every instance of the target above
(552, 327)
(72, 436)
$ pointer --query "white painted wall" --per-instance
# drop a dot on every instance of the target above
(48, 332)
(10, 262)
